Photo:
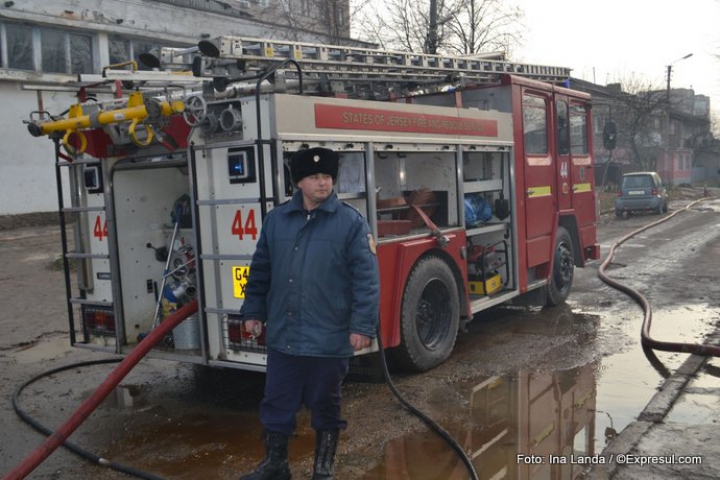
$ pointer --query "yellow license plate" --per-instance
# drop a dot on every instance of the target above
(240, 278)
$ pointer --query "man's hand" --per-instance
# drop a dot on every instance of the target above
(359, 342)
(253, 327)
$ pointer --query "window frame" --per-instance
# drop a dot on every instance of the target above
(579, 111)
(36, 40)
(533, 103)
(562, 133)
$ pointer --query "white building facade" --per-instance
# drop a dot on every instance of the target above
(44, 45)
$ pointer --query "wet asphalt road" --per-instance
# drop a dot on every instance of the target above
(521, 382)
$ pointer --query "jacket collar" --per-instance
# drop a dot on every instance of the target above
(330, 205)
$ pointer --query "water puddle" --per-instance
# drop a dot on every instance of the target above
(46, 348)
(527, 425)
(701, 401)
(532, 424)
(688, 323)
(196, 444)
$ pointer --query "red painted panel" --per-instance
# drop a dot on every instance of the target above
(99, 142)
(396, 261)
(354, 118)
(538, 251)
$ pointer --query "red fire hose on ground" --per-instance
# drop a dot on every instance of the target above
(646, 339)
(91, 403)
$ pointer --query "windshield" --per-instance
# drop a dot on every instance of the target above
(637, 181)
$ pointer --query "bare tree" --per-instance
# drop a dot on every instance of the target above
(640, 120)
(485, 25)
(326, 18)
(405, 25)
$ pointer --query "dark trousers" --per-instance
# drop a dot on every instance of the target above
(292, 381)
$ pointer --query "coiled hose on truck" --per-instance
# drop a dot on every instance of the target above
(61, 435)
(647, 341)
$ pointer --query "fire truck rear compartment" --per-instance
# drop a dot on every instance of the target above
(148, 203)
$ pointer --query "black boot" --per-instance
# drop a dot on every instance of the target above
(326, 442)
(275, 464)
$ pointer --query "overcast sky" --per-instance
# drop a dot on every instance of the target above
(605, 41)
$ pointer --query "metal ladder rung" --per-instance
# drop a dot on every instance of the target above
(83, 209)
(227, 201)
(220, 257)
(93, 256)
(85, 301)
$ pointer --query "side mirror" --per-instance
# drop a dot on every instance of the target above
(609, 135)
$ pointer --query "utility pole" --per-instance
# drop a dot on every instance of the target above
(432, 34)
(670, 159)
(669, 73)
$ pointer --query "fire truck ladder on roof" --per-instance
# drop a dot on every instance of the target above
(337, 69)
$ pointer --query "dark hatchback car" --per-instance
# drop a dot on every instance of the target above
(641, 191)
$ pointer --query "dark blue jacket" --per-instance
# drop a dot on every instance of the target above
(314, 279)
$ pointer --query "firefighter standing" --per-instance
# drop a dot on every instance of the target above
(314, 283)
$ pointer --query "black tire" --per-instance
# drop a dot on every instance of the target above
(430, 316)
(563, 269)
(619, 213)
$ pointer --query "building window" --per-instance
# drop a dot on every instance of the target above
(120, 50)
(308, 8)
(81, 53)
(19, 41)
(126, 49)
(535, 125)
(56, 51)
(599, 122)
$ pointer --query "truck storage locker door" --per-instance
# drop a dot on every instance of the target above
(230, 217)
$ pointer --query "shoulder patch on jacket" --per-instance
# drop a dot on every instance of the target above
(371, 244)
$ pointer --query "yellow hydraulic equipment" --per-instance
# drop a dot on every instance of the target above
(137, 111)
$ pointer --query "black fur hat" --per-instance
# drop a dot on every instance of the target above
(310, 161)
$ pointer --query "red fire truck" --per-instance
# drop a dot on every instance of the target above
(476, 176)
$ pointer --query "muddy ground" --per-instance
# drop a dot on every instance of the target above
(187, 422)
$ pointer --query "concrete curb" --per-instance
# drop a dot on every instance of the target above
(654, 413)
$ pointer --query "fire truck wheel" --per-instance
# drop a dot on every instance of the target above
(430, 316)
(563, 269)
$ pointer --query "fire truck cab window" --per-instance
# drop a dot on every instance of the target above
(578, 130)
(563, 140)
(535, 125)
